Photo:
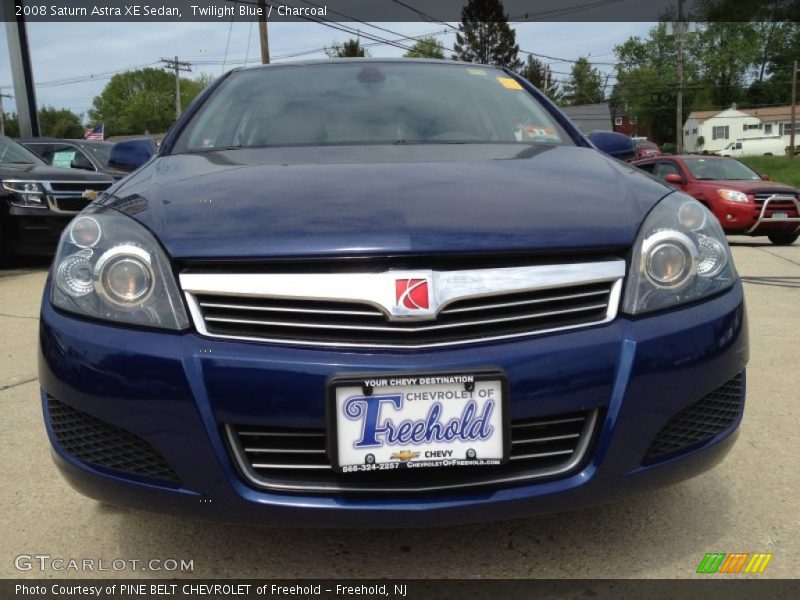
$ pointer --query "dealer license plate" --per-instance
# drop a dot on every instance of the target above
(400, 421)
(780, 215)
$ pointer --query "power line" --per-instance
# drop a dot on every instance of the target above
(178, 66)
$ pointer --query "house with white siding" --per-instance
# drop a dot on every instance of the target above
(712, 130)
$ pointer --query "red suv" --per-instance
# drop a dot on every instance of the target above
(647, 149)
(743, 201)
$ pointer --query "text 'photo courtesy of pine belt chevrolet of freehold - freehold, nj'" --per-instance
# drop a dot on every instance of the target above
(399, 299)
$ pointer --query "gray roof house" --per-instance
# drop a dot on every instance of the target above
(590, 117)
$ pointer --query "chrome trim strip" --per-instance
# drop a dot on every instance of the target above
(378, 290)
(551, 422)
(405, 329)
(254, 479)
(552, 438)
(314, 311)
(290, 434)
(541, 454)
(451, 311)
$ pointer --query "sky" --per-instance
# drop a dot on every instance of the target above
(89, 53)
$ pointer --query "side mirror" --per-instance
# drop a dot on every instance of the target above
(765, 177)
(673, 178)
(616, 145)
(131, 154)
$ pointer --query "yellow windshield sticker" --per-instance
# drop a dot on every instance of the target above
(480, 72)
(509, 83)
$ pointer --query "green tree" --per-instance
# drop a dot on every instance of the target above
(585, 84)
(485, 36)
(352, 48)
(647, 80)
(427, 47)
(141, 101)
(540, 75)
(60, 123)
(11, 125)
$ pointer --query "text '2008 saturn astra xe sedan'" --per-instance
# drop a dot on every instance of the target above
(379, 293)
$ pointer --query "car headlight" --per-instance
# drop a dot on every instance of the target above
(26, 193)
(732, 195)
(110, 267)
(680, 256)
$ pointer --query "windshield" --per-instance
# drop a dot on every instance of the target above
(365, 103)
(12, 153)
(715, 168)
(101, 151)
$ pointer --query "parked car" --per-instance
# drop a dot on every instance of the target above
(755, 147)
(645, 148)
(745, 202)
(332, 300)
(37, 201)
(74, 154)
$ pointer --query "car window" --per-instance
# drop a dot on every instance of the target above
(646, 167)
(39, 150)
(719, 168)
(12, 153)
(663, 169)
(67, 156)
(363, 103)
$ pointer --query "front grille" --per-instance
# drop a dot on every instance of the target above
(296, 459)
(783, 203)
(701, 421)
(67, 196)
(352, 309)
(99, 443)
(71, 204)
(80, 186)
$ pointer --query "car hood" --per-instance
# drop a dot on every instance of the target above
(749, 185)
(241, 204)
(46, 173)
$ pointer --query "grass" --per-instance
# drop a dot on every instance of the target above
(781, 169)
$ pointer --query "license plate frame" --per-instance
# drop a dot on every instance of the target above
(344, 380)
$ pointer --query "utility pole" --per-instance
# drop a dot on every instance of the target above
(262, 31)
(21, 70)
(794, 111)
(679, 113)
(178, 66)
(2, 112)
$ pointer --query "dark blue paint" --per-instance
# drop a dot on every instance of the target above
(176, 390)
(638, 370)
(131, 154)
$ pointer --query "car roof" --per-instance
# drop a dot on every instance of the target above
(49, 140)
(368, 60)
(683, 156)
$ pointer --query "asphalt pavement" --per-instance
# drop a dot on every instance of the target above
(749, 503)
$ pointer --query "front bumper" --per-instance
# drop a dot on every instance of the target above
(760, 218)
(176, 392)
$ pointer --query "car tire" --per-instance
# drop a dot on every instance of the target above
(783, 238)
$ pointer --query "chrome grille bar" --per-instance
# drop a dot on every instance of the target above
(540, 447)
(363, 310)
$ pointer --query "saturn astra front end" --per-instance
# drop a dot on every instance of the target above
(387, 293)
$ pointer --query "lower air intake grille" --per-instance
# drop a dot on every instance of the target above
(700, 421)
(296, 459)
(99, 443)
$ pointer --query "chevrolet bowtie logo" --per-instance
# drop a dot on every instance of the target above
(90, 195)
(404, 455)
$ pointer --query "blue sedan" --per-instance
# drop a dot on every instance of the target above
(379, 293)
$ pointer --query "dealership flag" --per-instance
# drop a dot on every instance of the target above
(94, 134)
